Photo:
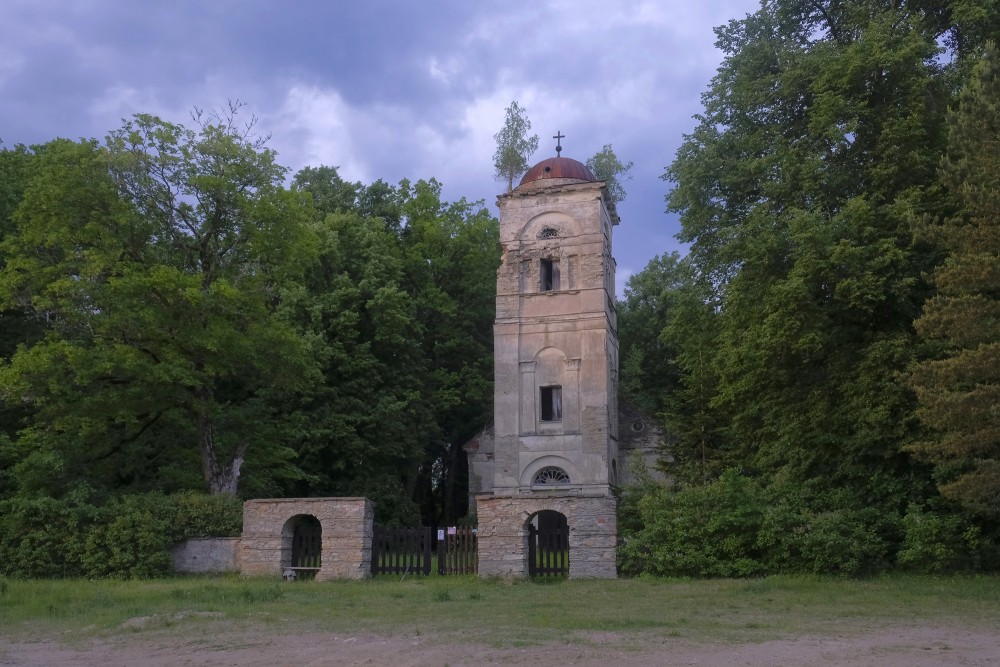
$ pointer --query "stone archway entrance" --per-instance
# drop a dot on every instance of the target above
(281, 533)
(506, 522)
(548, 545)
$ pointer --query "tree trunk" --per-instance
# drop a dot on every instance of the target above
(219, 478)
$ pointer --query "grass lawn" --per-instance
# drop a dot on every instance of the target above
(497, 613)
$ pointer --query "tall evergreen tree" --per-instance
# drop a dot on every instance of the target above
(959, 393)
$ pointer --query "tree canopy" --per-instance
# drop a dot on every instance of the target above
(175, 318)
(789, 328)
(158, 263)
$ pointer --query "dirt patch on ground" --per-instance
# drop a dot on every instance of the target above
(903, 646)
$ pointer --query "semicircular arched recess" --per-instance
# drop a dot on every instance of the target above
(550, 364)
(532, 470)
(549, 225)
(550, 476)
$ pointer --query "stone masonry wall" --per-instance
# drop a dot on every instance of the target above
(206, 554)
(266, 547)
(503, 533)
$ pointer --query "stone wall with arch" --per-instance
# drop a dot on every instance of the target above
(346, 523)
(503, 533)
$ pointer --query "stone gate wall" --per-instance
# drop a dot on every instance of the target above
(200, 555)
(266, 547)
(503, 533)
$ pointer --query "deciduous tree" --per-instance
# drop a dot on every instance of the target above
(514, 146)
(159, 262)
(818, 143)
(608, 168)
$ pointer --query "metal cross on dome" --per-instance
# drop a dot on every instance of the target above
(559, 136)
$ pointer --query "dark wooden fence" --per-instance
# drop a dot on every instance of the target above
(401, 551)
(408, 551)
(458, 553)
(548, 551)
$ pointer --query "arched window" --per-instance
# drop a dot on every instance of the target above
(550, 476)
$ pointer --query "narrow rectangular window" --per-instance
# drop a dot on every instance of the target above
(550, 275)
(552, 404)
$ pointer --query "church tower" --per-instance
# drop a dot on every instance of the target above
(555, 431)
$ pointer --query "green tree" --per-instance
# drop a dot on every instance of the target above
(818, 142)
(360, 429)
(514, 146)
(17, 325)
(608, 168)
(160, 263)
(330, 193)
(959, 392)
(667, 327)
(452, 256)
(400, 310)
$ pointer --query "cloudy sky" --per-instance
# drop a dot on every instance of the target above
(385, 89)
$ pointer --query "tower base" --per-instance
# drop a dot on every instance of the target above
(503, 533)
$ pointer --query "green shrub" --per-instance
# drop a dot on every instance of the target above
(937, 542)
(737, 527)
(703, 531)
(42, 537)
(202, 515)
(844, 542)
(126, 537)
(825, 533)
(133, 541)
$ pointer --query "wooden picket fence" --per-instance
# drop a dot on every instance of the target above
(409, 551)
(401, 551)
(458, 552)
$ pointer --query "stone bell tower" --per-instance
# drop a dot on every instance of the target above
(555, 431)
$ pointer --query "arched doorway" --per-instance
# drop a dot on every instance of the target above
(548, 545)
(304, 535)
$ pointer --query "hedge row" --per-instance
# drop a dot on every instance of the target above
(739, 527)
(128, 537)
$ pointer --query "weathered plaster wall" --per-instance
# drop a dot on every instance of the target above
(266, 546)
(206, 554)
(564, 336)
(503, 533)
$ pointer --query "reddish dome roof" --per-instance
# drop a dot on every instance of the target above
(558, 167)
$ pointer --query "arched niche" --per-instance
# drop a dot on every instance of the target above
(302, 546)
(548, 228)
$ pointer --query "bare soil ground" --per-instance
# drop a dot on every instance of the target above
(912, 645)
